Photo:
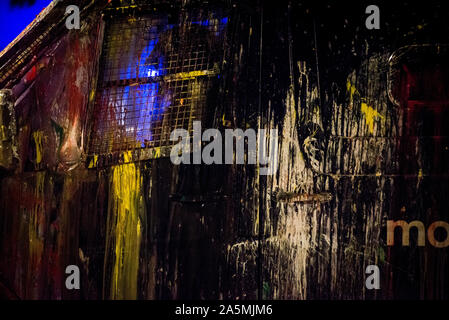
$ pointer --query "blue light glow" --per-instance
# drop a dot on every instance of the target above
(145, 101)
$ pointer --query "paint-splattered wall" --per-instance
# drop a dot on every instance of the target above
(350, 158)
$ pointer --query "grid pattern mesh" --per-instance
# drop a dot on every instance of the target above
(155, 78)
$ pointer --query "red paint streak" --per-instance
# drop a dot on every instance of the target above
(77, 98)
(31, 75)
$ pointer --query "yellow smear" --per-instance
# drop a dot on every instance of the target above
(92, 95)
(370, 115)
(3, 133)
(157, 152)
(37, 135)
(226, 123)
(93, 162)
(189, 75)
(352, 90)
(125, 228)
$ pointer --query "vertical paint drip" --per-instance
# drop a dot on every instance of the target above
(36, 236)
(124, 229)
(37, 135)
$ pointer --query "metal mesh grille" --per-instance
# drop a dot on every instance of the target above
(154, 79)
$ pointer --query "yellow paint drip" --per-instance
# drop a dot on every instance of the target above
(3, 133)
(92, 95)
(157, 152)
(370, 115)
(125, 228)
(93, 162)
(37, 135)
(189, 75)
(226, 123)
(352, 90)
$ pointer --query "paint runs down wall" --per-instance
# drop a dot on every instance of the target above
(153, 230)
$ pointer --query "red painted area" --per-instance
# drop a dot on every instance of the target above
(53, 96)
(425, 102)
(31, 75)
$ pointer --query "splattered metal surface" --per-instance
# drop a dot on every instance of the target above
(349, 160)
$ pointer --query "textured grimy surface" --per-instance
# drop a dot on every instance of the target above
(152, 230)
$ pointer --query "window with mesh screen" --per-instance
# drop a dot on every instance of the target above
(155, 77)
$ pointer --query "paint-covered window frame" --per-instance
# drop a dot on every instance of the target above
(156, 72)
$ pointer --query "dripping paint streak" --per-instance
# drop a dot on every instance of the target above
(125, 229)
